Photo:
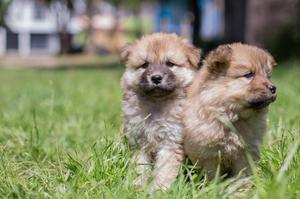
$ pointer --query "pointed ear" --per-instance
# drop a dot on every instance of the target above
(125, 52)
(271, 60)
(193, 54)
(218, 60)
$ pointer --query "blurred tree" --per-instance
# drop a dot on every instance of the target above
(91, 11)
(284, 43)
(196, 22)
(134, 7)
(235, 20)
(3, 10)
(63, 10)
(93, 8)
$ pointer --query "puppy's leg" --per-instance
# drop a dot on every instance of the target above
(143, 168)
(240, 165)
(167, 166)
(242, 162)
(210, 167)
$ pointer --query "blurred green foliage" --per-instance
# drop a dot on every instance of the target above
(285, 43)
(3, 9)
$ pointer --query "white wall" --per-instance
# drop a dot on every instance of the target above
(24, 44)
(20, 18)
(54, 45)
(2, 41)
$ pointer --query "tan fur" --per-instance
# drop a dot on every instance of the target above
(154, 128)
(217, 98)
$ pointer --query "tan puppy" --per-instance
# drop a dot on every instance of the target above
(226, 108)
(159, 68)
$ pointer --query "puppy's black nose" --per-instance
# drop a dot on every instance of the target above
(156, 79)
(272, 88)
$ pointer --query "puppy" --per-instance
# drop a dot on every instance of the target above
(225, 113)
(159, 68)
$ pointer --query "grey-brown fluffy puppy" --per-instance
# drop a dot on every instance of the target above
(159, 68)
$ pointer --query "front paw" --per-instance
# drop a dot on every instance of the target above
(139, 182)
(156, 187)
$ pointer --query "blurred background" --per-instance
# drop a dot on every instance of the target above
(35, 32)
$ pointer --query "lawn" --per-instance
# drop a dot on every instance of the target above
(60, 138)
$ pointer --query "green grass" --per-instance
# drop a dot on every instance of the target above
(60, 138)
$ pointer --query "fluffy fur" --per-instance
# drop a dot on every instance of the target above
(152, 117)
(226, 109)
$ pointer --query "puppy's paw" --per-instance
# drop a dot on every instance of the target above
(157, 188)
(139, 183)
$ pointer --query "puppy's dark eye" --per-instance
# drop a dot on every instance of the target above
(170, 64)
(145, 65)
(249, 75)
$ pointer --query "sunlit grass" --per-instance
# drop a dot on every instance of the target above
(60, 138)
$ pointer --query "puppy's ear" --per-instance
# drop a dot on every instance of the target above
(193, 54)
(218, 60)
(271, 60)
(125, 52)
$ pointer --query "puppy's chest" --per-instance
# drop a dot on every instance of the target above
(160, 125)
(232, 143)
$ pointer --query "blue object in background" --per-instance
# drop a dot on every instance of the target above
(211, 19)
(169, 14)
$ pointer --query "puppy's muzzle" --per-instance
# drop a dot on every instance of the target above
(156, 79)
(262, 102)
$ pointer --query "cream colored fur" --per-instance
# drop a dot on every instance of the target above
(154, 127)
(216, 100)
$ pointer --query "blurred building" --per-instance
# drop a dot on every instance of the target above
(32, 29)
(35, 27)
